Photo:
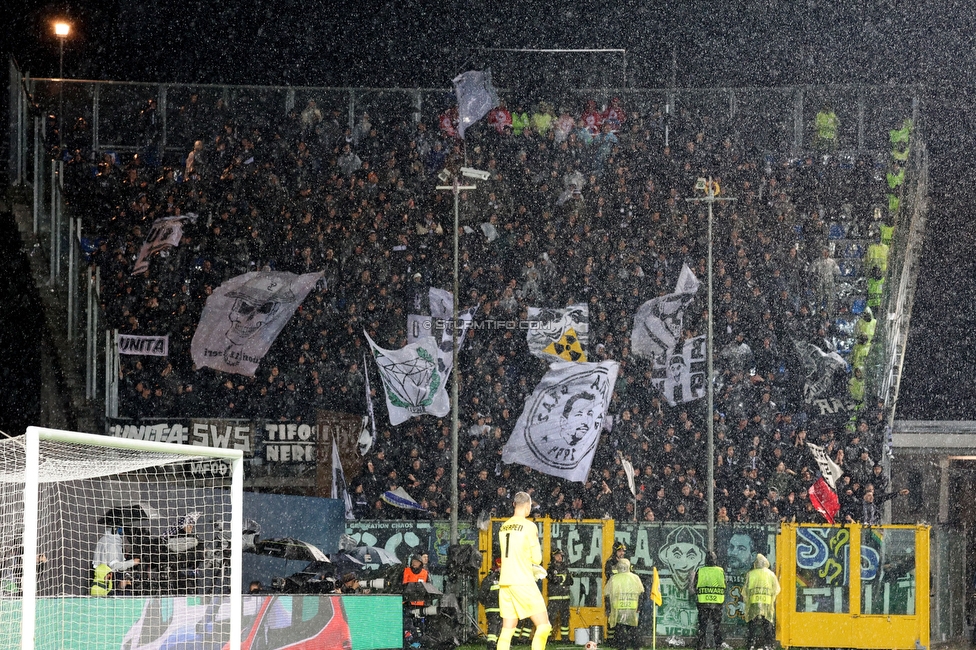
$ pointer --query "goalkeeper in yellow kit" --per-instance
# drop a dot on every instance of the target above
(518, 590)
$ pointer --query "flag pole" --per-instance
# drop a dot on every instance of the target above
(654, 628)
(455, 188)
(711, 189)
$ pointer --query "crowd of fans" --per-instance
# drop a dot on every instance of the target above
(584, 205)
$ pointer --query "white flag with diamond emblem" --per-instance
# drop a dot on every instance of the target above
(412, 379)
(558, 431)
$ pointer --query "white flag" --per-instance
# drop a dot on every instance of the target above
(339, 489)
(659, 321)
(163, 234)
(559, 334)
(412, 379)
(629, 472)
(441, 303)
(820, 369)
(444, 356)
(244, 316)
(830, 470)
(682, 378)
(400, 499)
(367, 437)
(475, 95)
(560, 426)
(440, 320)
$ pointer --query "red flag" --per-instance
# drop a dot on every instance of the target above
(824, 499)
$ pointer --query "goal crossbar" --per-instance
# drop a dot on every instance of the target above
(32, 477)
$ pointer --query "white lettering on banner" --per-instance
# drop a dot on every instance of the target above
(289, 453)
(289, 432)
(162, 432)
(223, 436)
(210, 468)
(574, 545)
(596, 549)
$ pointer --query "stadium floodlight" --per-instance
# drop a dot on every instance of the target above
(69, 500)
(471, 172)
(61, 30)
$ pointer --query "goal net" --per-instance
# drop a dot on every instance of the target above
(113, 543)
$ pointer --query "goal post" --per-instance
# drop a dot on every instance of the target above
(165, 536)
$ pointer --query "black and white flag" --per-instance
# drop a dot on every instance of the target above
(339, 488)
(821, 368)
(831, 471)
(559, 334)
(164, 233)
(560, 426)
(659, 321)
(412, 379)
(244, 316)
(682, 378)
(367, 437)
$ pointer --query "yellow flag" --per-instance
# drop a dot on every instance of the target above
(656, 589)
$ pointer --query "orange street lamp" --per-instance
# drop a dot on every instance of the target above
(61, 30)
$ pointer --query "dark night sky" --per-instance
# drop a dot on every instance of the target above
(736, 43)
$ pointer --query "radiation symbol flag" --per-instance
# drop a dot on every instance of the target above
(568, 347)
(558, 335)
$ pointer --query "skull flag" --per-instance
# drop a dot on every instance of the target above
(243, 318)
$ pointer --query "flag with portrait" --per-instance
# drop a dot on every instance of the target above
(244, 316)
(682, 378)
(560, 426)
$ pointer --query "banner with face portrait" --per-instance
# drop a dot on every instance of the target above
(560, 426)
(244, 316)
(678, 550)
(682, 379)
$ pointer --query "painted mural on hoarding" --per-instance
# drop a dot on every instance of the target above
(404, 538)
(823, 567)
(678, 550)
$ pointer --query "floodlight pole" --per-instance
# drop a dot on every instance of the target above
(455, 188)
(61, 30)
(711, 192)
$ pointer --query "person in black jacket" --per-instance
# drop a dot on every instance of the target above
(559, 582)
(488, 597)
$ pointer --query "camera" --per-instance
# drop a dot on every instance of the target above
(479, 174)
